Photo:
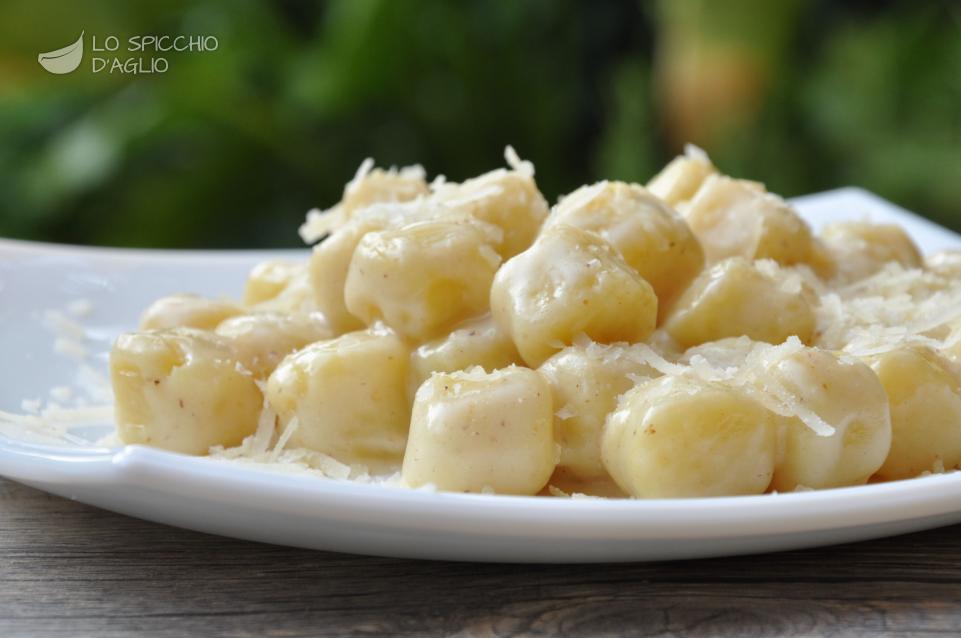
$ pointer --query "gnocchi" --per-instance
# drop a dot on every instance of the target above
(652, 238)
(506, 199)
(380, 186)
(846, 394)
(330, 262)
(369, 187)
(424, 278)
(677, 183)
(348, 396)
(860, 249)
(687, 338)
(181, 390)
(681, 437)
(187, 311)
(737, 297)
(924, 394)
(295, 298)
(261, 341)
(473, 431)
(570, 281)
(586, 382)
(268, 279)
(477, 342)
(737, 218)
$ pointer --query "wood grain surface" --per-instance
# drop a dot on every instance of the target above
(71, 570)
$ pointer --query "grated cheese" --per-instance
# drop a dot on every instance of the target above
(61, 393)
(524, 167)
(694, 152)
(362, 171)
(284, 438)
(896, 306)
(70, 348)
(748, 376)
(54, 423)
(63, 326)
(80, 307)
(31, 406)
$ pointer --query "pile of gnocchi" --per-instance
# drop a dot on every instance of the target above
(689, 337)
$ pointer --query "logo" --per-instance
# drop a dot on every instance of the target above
(135, 55)
(65, 60)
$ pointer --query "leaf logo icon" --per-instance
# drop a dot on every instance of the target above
(65, 60)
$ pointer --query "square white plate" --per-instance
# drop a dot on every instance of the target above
(304, 511)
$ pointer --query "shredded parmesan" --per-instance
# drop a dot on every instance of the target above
(284, 438)
(462, 199)
(319, 223)
(259, 441)
(362, 172)
(894, 307)
(80, 307)
(749, 376)
(70, 348)
(513, 160)
(694, 152)
(61, 393)
(54, 424)
(63, 326)
(31, 406)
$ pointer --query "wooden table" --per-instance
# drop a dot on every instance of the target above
(71, 570)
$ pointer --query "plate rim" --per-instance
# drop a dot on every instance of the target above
(146, 468)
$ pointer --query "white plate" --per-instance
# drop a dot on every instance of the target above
(303, 511)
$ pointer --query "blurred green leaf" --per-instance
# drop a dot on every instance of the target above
(231, 147)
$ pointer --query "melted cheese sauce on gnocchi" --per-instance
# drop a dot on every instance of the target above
(689, 337)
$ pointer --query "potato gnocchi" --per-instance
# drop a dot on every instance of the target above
(690, 337)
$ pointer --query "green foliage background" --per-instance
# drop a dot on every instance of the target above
(230, 148)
